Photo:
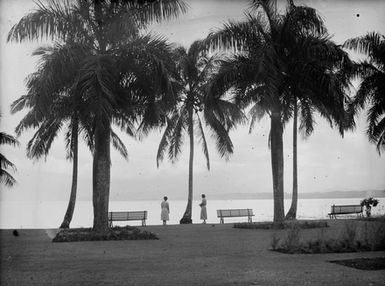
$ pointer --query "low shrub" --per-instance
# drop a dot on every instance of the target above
(352, 239)
(293, 239)
(275, 241)
(115, 233)
(380, 218)
(282, 225)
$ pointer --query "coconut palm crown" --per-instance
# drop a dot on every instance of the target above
(54, 103)
(272, 68)
(125, 72)
(196, 109)
(371, 91)
(5, 177)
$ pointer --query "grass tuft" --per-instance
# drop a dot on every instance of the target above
(369, 237)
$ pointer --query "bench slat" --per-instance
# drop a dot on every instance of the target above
(125, 216)
(235, 213)
(345, 209)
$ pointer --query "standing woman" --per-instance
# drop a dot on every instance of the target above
(164, 215)
(203, 208)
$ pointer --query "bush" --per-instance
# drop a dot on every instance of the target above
(115, 233)
(275, 241)
(282, 225)
(293, 239)
(372, 239)
(368, 204)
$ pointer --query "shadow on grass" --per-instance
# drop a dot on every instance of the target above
(377, 263)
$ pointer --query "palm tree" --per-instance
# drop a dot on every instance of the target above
(267, 72)
(371, 91)
(194, 69)
(5, 177)
(53, 102)
(317, 81)
(123, 76)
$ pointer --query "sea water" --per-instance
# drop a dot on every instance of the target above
(49, 214)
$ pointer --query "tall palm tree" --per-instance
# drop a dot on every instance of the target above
(371, 91)
(5, 177)
(317, 81)
(53, 103)
(123, 76)
(194, 68)
(267, 72)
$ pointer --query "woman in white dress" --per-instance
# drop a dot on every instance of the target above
(203, 208)
(164, 215)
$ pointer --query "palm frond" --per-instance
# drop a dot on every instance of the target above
(8, 139)
(176, 141)
(55, 20)
(119, 145)
(6, 164)
(41, 142)
(204, 143)
(306, 119)
(256, 113)
(6, 178)
(224, 144)
(371, 44)
(166, 138)
(376, 134)
(146, 12)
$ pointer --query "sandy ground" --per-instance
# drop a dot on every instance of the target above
(184, 255)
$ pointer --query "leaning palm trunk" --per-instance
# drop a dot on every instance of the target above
(71, 204)
(277, 165)
(292, 213)
(101, 176)
(188, 213)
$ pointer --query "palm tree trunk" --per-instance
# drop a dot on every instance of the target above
(277, 165)
(188, 213)
(71, 204)
(292, 213)
(101, 176)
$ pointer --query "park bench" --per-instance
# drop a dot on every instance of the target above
(125, 216)
(235, 213)
(345, 209)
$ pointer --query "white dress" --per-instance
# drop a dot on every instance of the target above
(165, 211)
(203, 209)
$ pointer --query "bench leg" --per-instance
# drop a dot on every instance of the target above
(143, 222)
(222, 220)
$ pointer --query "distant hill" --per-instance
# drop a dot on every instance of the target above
(343, 194)
(315, 195)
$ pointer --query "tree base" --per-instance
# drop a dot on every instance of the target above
(64, 226)
(291, 215)
(185, 220)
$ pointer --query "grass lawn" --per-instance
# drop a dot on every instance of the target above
(183, 255)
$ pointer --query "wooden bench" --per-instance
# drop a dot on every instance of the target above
(345, 209)
(235, 213)
(125, 216)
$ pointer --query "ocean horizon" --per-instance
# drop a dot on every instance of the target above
(49, 214)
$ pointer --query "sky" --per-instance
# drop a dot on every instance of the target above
(326, 161)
